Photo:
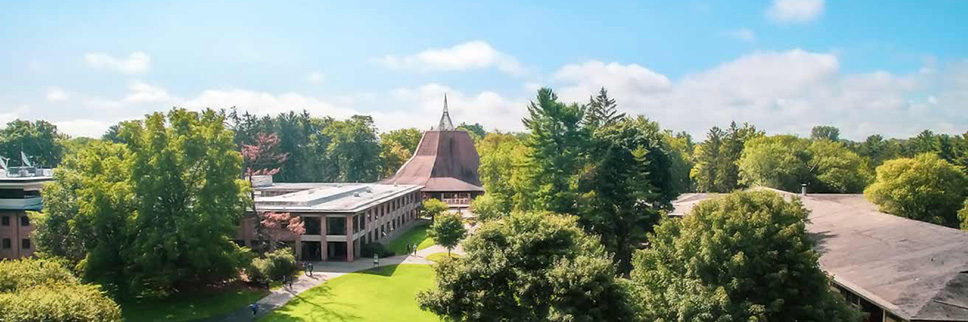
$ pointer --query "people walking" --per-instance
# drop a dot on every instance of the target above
(255, 309)
(311, 269)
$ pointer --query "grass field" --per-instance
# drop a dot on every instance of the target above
(191, 306)
(381, 294)
(441, 256)
(416, 235)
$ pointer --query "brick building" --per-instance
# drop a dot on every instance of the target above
(339, 217)
(19, 193)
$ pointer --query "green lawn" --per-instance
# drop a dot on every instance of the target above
(381, 294)
(416, 235)
(441, 256)
(191, 306)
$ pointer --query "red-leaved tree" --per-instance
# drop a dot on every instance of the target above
(263, 158)
(292, 223)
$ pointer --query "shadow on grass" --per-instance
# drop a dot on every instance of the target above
(386, 271)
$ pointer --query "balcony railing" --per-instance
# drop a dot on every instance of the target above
(30, 203)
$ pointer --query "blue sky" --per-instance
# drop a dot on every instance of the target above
(890, 67)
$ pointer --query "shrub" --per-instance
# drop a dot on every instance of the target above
(44, 290)
(375, 248)
(273, 267)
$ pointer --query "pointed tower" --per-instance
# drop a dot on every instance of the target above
(445, 164)
(445, 123)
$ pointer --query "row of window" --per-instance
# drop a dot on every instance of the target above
(24, 243)
(24, 221)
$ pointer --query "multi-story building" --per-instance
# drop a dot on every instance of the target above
(339, 218)
(19, 193)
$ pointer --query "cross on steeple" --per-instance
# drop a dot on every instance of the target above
(445, 123)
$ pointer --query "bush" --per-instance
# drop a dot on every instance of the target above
(44, 290)
(273, 267)
(375, 248)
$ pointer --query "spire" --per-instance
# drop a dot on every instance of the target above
(445, 123)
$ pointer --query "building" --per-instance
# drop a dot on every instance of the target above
(445, 164)
(339, 217)
(893, 268)
(19, 192)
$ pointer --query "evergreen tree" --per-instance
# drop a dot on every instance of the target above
(556, 146)
(602, 110)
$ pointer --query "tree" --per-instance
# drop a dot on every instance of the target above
(447, 230)
(825, 132)
(502, 157)
(778, 161)
(475, 130)
(837, 169)
(397, 147)
(433, 207)
(716, 168)
(155, 213)
(877, 150)
(680, 147)
(43, 290)
(925, 188)
(39, 140)
(556, 145)
(529, 267)
(487, 207)
(279, 221)
(745, 256)
(602, 110)
(625, 185)
(353, 151)
(706, 155)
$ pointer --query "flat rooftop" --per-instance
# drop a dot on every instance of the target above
(329, 197)
(914, 269)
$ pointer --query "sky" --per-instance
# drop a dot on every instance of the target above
(885, 67)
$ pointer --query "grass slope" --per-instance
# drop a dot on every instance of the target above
(416, 235)
(382, 294)
(190, 306)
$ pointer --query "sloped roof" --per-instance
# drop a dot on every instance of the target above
(445, 161)
(915, 270)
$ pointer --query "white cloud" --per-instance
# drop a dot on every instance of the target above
(55, 94)
(422, 106)
(261, 103)
(741, 34)
(84, 127)
(137, 62)
(795, 10)
(315, 78)
(466, 56)
(141, 92)
(781, 92)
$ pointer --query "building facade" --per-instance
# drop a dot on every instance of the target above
(339, 218)
(19, 193)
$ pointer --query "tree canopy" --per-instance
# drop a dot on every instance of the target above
(555, 145)
(39, 140)
(155, 213)
(529, 267)
(396, 147)
(745, 256)
(447, 230)
(716, 168)
(925, 188)
(43, 290)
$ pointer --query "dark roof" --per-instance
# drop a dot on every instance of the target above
(915, 270)
(445, 161)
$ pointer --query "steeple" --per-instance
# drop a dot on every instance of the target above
(445, 123)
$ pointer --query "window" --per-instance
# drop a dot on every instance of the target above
(6, 220)
(25, 243)
(6, 243)
(24, 221)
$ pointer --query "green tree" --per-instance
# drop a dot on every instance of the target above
(39, 140)
(475, 130)
(396, 147)
(716, 168)
(837, 169)
(556, 145)
(778, 161)
(706, 156)
(43, 290)
(877, 150)
(502, 158)
(925, 188)
(825, 132)
(447, 230)
(529, 267)
(627, 181)
(353, 153)
(680, 147)
(487, 207)
(433, 207)
(602, 110)
(745, 256)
